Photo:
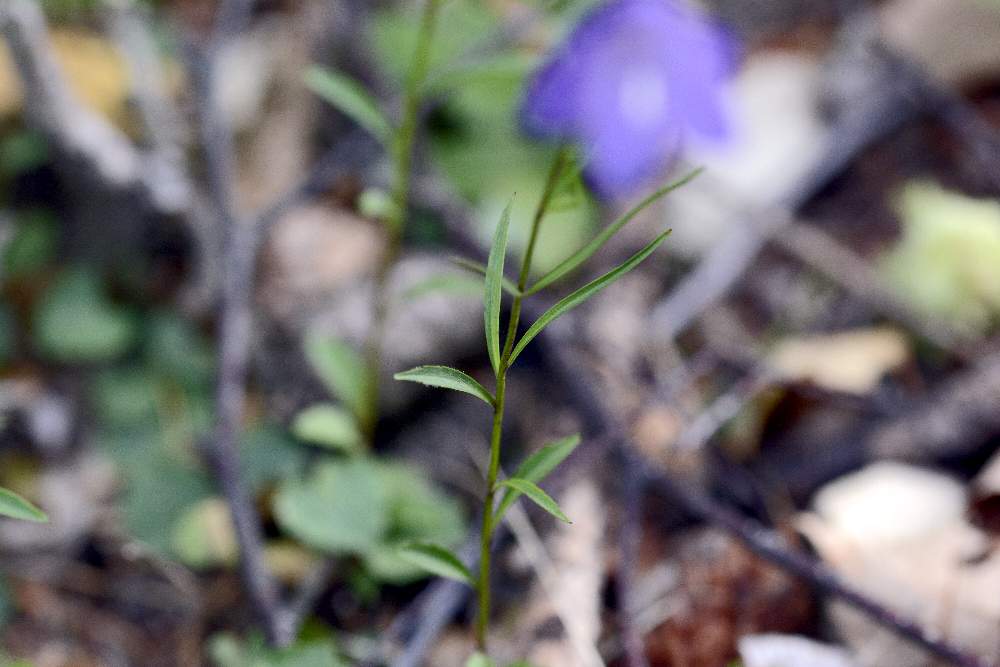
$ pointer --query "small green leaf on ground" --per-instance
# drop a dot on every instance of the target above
(341, 508)
(418, 512)
(947, 261)
(75, 322)
(328, 426)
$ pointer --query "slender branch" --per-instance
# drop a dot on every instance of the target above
(630, 539)
(235, 333)
(162, 125)
(81, 134)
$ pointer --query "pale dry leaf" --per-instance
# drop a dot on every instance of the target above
(988, 479)
(775, 650)
(900, 534)
(852, 362)
(957, 41)
(570, 584)
(891, 503)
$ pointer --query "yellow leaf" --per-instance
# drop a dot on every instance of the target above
(94, 68)
(853, 362)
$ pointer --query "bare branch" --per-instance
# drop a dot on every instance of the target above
(235, 338)
(81, 134)
(165, 161)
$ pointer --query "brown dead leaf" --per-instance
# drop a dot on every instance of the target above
(714, 592)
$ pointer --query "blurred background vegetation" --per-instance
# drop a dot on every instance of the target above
(878, 305)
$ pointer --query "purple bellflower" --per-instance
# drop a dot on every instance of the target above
(635, 79)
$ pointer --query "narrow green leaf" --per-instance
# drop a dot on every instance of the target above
(494, 288)
(584, 293)
(446, 378)
(477, 267)
(536, 495)
(587, 251)
(503, 67)
(444, 283)
(349, 97)
(537, 467)
(16, 507)
(328, 426)
(341, 369)
(436, 560)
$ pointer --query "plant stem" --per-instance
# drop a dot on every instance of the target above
(395, 221)
(486, 535)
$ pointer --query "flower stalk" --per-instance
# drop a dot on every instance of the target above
(488, 524)
(404, 142)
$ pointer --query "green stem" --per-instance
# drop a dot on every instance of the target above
(486, 534)
(402, 149)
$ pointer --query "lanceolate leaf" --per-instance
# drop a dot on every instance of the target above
(16, 507)
(476, 267)
(451, 283)
(446, 378)
(586, 252)
(436, 560)
(536, 467)
(584, 293)
(494, 288)
(537, 496)
(350, 97)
